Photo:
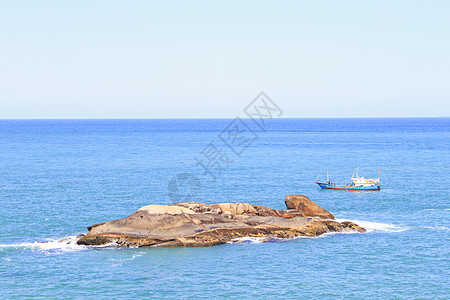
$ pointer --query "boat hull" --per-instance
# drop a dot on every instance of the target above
(327, 186)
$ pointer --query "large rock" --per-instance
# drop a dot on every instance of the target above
(308, 207)
(198, 224)
(164, 209)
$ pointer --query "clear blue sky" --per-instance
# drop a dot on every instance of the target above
(158, 59)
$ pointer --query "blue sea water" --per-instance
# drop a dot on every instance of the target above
(59, 176)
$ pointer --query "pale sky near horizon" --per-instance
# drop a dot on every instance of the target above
(206, 59)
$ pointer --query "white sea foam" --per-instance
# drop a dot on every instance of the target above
(109, 245)
(67, 244)
(247, 239)
(441, 228)
(377, 226)
(259, 240)
(326, 234)
(370, 226)
(429, 209)
(119, 262)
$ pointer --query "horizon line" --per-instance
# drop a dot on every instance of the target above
(223, 118)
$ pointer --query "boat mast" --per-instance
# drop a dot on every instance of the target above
(353, 175)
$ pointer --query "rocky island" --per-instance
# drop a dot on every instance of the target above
(194, 224)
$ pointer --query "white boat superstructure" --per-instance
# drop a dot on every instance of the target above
(361, 181)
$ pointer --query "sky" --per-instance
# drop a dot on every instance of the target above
(209, 59)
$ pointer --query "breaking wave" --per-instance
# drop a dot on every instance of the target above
(68, 244)
(259, 240)
(370, 226)
(440, 228)
(377, 226)
(119, 262)
(248, 240)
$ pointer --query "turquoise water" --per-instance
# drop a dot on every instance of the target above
(59, 176)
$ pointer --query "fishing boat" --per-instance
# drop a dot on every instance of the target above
(358, 183)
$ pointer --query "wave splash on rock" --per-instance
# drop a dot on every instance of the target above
(68, 244)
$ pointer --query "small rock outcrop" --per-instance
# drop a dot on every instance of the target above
(308, 207)
(193, 224)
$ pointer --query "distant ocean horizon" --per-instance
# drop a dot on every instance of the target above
(214, 118)
(59, 176)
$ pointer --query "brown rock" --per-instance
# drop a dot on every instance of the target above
(306, 206)
(196, 224)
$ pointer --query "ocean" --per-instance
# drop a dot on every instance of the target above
(59, 176)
